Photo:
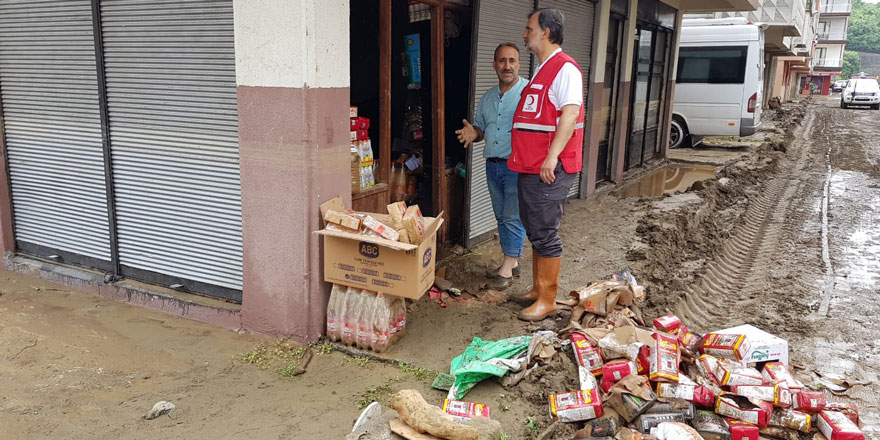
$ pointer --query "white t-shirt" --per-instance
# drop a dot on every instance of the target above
(567, 87)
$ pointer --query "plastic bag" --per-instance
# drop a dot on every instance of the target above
(480, 361)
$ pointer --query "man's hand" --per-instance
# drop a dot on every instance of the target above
(548, 169)
(467, 134)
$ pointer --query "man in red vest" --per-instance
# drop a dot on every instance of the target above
(547, 151)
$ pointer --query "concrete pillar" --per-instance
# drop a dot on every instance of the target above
(595, 96)
(621, 132)
(7, 238)
(292, 68)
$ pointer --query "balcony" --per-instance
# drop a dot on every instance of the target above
(832, 36)
(828, 63)
(835, 8)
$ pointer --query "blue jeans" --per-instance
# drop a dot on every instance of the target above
(505, 204)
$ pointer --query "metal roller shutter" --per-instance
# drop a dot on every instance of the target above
(578, 43)
(49, 92)
(498, 21)
(170, 67)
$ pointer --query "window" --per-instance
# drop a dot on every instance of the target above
(712, 65)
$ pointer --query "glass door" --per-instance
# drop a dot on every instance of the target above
(609, 96)
(644, 39)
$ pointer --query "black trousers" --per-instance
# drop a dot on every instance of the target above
(541, 207)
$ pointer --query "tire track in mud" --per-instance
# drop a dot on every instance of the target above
(740, 270)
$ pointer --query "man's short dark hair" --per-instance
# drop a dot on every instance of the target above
(510, 45)
(553, 19)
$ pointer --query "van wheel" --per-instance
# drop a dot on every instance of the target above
(679, 136)
(842, 104)
(876, 106)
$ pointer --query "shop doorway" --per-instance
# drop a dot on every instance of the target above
(610, 95)
(648, 94)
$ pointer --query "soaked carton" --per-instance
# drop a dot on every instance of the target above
(605, 426)
(711, 426)
(707, 364)
(669, 323)
(835, 425)
(762, 346)
(688, 339)
(740, 430)
(777, 371)
(850, 410)
(741, 408)
(697, 394)
(645, 422)
(791, 419)
(576, 406)
(664, 358)
(588, 357)
(778, 395)
(732, 373)
(464, 411)
(724, 345)
(628, 406)
(808, 401)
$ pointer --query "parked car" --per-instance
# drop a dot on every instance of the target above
(720, 82)
(862, 91)
(838, 86)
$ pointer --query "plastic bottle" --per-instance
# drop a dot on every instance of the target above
(346, 312)
(381, 324)
(398, 319)
(333, 322)
(365, 319)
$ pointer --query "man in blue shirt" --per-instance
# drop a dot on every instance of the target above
(494, 122)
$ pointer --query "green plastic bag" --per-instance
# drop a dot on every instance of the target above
(477, 362)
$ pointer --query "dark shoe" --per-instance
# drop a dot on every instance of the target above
(546, 286)
(499, 282)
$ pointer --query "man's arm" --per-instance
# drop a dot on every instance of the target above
(564, 131)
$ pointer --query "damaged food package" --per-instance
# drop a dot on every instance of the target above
(740, 430)
(664, 358)
(645, 422)
(791, 419)
(776, 394)
(414, 224)
(725, 346)
(711, 426)
(576, 406)
(732, 373)
(380, 228)
(697, 394)
(740, 408)
(396, 211)
(628, 406)
(464, 411)
(589, 360)
(836, 426)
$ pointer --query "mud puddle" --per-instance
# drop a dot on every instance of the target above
(667, 180)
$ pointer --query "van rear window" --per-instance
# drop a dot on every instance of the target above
(712, 65)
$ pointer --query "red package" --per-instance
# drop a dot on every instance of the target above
(725, 346)
(669, 323)
(775, 371)
(688, 339)
(731, 373)
(587, 354)
(850, 410)
(836, 426)
(613, 371)
(576, 406)
(464, 411)
(740, 430)
(707, 364)
(664, 358)
(778, 395)
(642, 362)
(697, 394)
(741, 408)
(363, 135)
(808, 401)
(606, 384)
(359, 123)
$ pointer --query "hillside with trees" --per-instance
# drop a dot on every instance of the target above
(864, 27)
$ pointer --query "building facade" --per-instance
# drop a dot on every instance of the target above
(832, 30)
(165, 152)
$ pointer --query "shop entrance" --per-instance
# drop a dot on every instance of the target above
(648, 95)
(409, 84)
(610, 95)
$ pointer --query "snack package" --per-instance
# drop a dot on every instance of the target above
(836, 426)
(664, 358)
(697, 394)
(731, 373)
(628, 406)
(808, 401)
(414, 224)
(576, 406)
(589, 361)
(646, 422)
(380, 228)
(675, 431)
(848, 409)
(778, 395)
(688, 339)
(741, 408)
(707, 364)
(725, 346)
(341, 219)
(686, 408)
(615, 370)
(791, 419)
(775, 371)
(710, 426)
(396, 211)
(740, 430)
(464, 411)
(669, 324)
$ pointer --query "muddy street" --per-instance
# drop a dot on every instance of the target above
(783, 235)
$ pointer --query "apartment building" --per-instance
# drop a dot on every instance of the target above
(832, 29)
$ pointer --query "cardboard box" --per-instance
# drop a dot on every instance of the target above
(725, 345)
(762, 346)
(376, 264)
(576, 406)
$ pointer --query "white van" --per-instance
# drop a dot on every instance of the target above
(720, 80)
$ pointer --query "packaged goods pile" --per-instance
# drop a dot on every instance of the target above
(406, 226)
(362, 162)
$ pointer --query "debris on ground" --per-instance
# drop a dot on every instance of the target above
(485, 359)
(159, 409)
(423, 417)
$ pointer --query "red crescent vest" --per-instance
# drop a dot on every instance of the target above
(534, 124)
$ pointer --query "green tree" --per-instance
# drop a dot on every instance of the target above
(852, 63)
(864, 27)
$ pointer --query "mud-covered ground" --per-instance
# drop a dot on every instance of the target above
(787, 238)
